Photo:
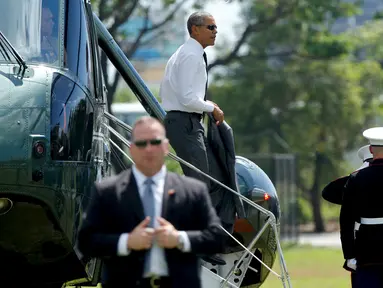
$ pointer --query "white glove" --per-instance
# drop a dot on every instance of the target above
(351, 263)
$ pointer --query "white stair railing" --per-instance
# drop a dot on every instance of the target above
(271, 220)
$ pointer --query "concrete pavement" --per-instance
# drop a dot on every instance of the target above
(331, 239)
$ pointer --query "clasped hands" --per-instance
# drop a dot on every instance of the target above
(142, 237)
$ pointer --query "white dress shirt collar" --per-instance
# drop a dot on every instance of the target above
(140, 177)
(196, 45)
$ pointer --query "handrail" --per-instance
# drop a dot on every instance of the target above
(271, 220)
(180, 160)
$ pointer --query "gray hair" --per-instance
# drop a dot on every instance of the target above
(197, 19)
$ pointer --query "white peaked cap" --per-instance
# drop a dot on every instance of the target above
(374, 136)
(364, 153)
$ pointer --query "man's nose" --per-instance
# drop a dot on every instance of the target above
(149, 147)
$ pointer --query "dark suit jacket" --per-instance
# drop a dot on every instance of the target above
(116, 208)
(221, 142)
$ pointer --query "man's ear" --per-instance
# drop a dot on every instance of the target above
(195, 30)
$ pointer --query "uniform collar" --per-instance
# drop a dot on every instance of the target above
(377, 161)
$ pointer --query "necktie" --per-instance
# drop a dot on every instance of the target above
(149, 209)
(148, 201)
(205, 59)
(207, 80)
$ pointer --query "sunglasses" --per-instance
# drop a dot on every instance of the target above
(210, 27)
(144, 143)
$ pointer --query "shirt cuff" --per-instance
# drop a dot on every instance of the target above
(209, 107)
(122, 246)
(187, 247)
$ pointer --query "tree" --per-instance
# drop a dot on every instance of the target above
(258, 16)
(115, 13)
(305, 85)
(285, 18)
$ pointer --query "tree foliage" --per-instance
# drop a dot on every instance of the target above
(291, 85)
(300, 83)
(258, 17)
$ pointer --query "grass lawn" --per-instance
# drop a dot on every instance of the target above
(311, 267)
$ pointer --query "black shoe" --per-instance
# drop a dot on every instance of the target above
(214, 259)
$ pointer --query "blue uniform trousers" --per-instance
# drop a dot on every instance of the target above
(368, 277)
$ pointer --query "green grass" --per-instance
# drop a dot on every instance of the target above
(311, 267)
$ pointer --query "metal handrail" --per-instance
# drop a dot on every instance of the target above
(180, 160)
(271, 220)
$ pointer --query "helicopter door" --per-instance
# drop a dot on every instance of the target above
(71, 121)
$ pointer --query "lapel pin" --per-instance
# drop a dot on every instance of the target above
(171, 191)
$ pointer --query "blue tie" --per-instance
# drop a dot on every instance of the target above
(148, 201)
(149, 209)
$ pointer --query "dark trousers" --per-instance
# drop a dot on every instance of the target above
(369, 277)
(353, 280)
(187, 137)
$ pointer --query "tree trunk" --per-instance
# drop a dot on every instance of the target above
(315, 195)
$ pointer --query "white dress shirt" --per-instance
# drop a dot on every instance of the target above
(158, 265)
(184, 82)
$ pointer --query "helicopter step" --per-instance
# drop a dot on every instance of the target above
(212, 280)
(213, 276)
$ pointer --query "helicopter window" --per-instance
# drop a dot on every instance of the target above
(71, 121)
(32, 26)
(77, 44)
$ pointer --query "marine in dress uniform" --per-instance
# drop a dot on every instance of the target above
(362, 202)
(333, 192)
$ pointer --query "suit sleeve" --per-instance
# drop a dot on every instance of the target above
(94, 239)
(348, 216)
(209, 239)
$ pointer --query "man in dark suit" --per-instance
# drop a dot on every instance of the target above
(148, 224)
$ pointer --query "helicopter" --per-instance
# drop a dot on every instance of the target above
(56, 142)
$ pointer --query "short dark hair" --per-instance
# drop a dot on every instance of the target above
(147, 120)
(197, 19)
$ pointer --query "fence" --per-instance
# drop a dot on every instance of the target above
(281, 168)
